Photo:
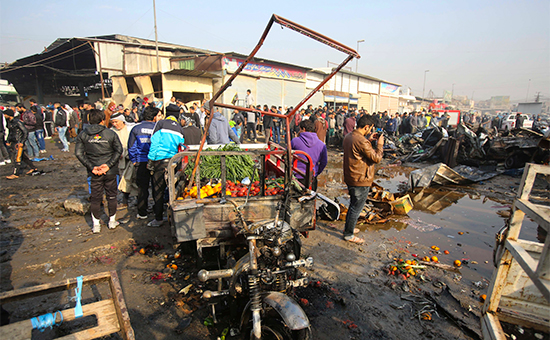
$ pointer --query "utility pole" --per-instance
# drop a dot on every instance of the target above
(424, 87)
(357, 59)
(156, 36)
(452, 93)
(528, 86)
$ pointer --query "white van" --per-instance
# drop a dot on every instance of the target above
(509, 121)
(8, 94)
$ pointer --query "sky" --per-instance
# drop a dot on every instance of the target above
(476, 48)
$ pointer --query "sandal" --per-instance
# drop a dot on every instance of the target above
(31, 171)
(356, 240)
(14, 176)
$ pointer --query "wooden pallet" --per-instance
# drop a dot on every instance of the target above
(520, 287)
(112, 315)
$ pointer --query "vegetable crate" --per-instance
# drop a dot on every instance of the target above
(203, 213)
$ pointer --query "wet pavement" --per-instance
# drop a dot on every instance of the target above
(461, 222)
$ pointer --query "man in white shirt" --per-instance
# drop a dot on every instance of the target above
(249, 99)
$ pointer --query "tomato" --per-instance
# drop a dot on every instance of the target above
(240, 194)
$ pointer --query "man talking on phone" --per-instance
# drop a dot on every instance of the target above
(359, 160)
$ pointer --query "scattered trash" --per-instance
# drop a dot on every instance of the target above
(48, 269)
(185, 290)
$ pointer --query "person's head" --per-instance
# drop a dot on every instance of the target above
(365, 124)
(150, 113)
(307, 126)
(273, 108)
(34, 109)
(126, 112)
(20, 107)
(248, 91)
(192, 109)
(9, 114)
(87, 106)
(96, 116)
(173, 99)
(118, 121)
(32, 101)
(266, 108)
(56, 104)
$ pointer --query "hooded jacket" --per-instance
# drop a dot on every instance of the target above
(167, 136)
(97, 145)
(219, 131)
(317, 150)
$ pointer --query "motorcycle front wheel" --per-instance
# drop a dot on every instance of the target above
(273, 328)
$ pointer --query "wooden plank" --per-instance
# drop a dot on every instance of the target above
(499, 278)
(534, 312)
(529, 265)
(47, 288)
(539, 213)
(491, 328)
(126, 330)
(543, 269)
(107, 323)
(523, 319)
(516, 220)
(531, 246)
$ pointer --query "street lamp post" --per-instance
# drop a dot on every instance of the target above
(424, 87)
(357, 60)
(452, 93)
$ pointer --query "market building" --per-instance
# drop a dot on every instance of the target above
(113, 66)
(121, 68)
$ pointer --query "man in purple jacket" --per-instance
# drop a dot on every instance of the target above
(308, 142)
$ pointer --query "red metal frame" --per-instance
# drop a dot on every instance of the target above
(302, 30)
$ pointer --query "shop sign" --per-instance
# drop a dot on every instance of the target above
(389, 89)
(264, 70)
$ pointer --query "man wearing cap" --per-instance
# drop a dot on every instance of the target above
(118, 121)
(139, 143)
(16, 141)
(165, 140)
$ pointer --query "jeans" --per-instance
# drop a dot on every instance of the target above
(143, 180)
(277, 134)
(358, 197)
(251, 130)
(32, 146)
(159, 185)
(40, 137)
(62, 130)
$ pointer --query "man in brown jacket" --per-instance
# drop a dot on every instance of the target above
(359, 160)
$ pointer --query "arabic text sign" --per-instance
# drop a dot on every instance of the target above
(264, 70)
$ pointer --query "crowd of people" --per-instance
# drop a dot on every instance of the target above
(127, 150)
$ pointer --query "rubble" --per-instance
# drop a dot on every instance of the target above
(77, 205)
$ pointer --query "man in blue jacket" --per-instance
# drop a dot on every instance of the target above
(166, 138)
(308, 142)
(139, 143)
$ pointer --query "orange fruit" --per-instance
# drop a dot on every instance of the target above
(426, 259)
(457, 263)
(435, 259)
(446, 252)
(436, 248)
(142, 251)
(174, 267)
(408, 262)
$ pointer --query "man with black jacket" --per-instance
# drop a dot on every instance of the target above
(16, 141)
(99, 149)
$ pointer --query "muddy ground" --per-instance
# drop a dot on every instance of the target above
(350, 297)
